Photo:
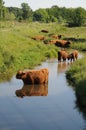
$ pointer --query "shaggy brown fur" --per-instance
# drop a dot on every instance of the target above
(62, 55)
(63, 43)
(33, 76)
(38, 38)
(59, 36)
(73, 56)
(54, 41)
(54, 36)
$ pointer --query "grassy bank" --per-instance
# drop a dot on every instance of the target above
(19, 51)
(77, 76)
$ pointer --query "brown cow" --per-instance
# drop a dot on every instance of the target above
(45, 31)
(38, 38)
(54, 41)
(63, 43)
(59, 36)
(32, 90)
(33, 76)
(73, 56)
(62, 55)
(48, 41)
(53, 36)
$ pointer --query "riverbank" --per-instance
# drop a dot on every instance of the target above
(19, 51)
(76, 75)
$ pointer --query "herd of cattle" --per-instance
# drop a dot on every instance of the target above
(41, 76)
(52, 39)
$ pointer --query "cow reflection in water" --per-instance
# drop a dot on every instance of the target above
(63, 66)
(32, 90)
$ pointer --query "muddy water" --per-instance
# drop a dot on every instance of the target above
(38, 107)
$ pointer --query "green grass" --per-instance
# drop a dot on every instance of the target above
(19, 51)
(77, 76)
(79, 46)
(77, 71)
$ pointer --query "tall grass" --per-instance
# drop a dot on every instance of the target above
(19, 51)
(77, 72)
(79, 46)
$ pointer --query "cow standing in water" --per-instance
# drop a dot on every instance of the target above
(33, 76)
(62, 55)
(73, 56)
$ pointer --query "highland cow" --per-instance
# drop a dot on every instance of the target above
(33, 76)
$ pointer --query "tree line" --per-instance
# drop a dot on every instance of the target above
(71, 16)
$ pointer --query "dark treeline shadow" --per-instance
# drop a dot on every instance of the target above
(32, 90)
(75, 39)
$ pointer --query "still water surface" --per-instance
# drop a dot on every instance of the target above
(49, 107)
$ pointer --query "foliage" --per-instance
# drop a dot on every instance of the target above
(2, 9)
(40, 15)
(17, 12)
(70, 16)
(78, 17)
(26, 11)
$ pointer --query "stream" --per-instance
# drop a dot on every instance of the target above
(41, 107)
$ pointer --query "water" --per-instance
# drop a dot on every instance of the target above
(50, 107)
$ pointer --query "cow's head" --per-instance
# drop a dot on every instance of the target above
(20, 74)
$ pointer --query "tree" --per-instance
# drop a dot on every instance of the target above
(16, 11)
(41, 15)
(27, 11)
(2, 9)
(78, 17)
(54, 13)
